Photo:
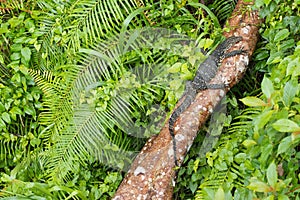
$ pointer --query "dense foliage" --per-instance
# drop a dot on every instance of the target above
(84, 83)
(257, 157)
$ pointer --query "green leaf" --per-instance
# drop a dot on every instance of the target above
(258, 186)
(2, 107)
(284, 145)
(292, 68)
(16, 47)
(37, 46)
(2, 124)
(286, 125)
(30, 110)
(185, 68)
(15, 56)
(24, 70)
(21, 40)
(289, 92)
(111, 178)
(4, 28)
(267, 2)
(267, 87)
(259, 3)
(175, 84)
(241, 157)
(209, 193)
(266, 153)
(283, 197)
(35, 142)
(287, 44)
(16, 78)
(261, 120)
(57, 38)
(220, 195)
(249, 143)
(5, 116)
(271, 197)
(272, 175)
(193, 186)
(253, 101)
(281, 35)
(26, 53)
(262, 55)
(14, 22)
(196, 165)
(205, 43)
(275, 57)
(7, 104)
(175, 68)
(29, 24)
(14, 112)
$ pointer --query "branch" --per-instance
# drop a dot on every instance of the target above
(152, 173)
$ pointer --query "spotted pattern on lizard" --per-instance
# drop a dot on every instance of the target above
(205, 73)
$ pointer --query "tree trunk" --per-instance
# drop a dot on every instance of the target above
(152, 173)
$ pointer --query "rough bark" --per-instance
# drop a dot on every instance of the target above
(152, 173)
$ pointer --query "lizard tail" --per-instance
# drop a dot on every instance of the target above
(171, 130)
(189, 98)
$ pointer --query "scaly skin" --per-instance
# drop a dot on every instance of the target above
(205, 73)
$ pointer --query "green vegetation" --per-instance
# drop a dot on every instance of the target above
(84, 83)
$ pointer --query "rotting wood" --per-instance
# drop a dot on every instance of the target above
(152, 173)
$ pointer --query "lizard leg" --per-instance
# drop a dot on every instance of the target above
(234, 53)
(211, 86)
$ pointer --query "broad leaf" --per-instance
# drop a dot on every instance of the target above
(220, 195)
(286, 125)
(253, 101)
(281, 35)
(258, 186)
(261, 120)
(267, 87)
(289, 92)
(272, 175)
(26, 53)
(284, 145)
(6, 117)
(249, 143)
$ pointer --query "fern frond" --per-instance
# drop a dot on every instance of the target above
(244, 121)
(79, 24)
(80, 128)
(10, 5)
(223, 8)
(57, 107)
(86, 135)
